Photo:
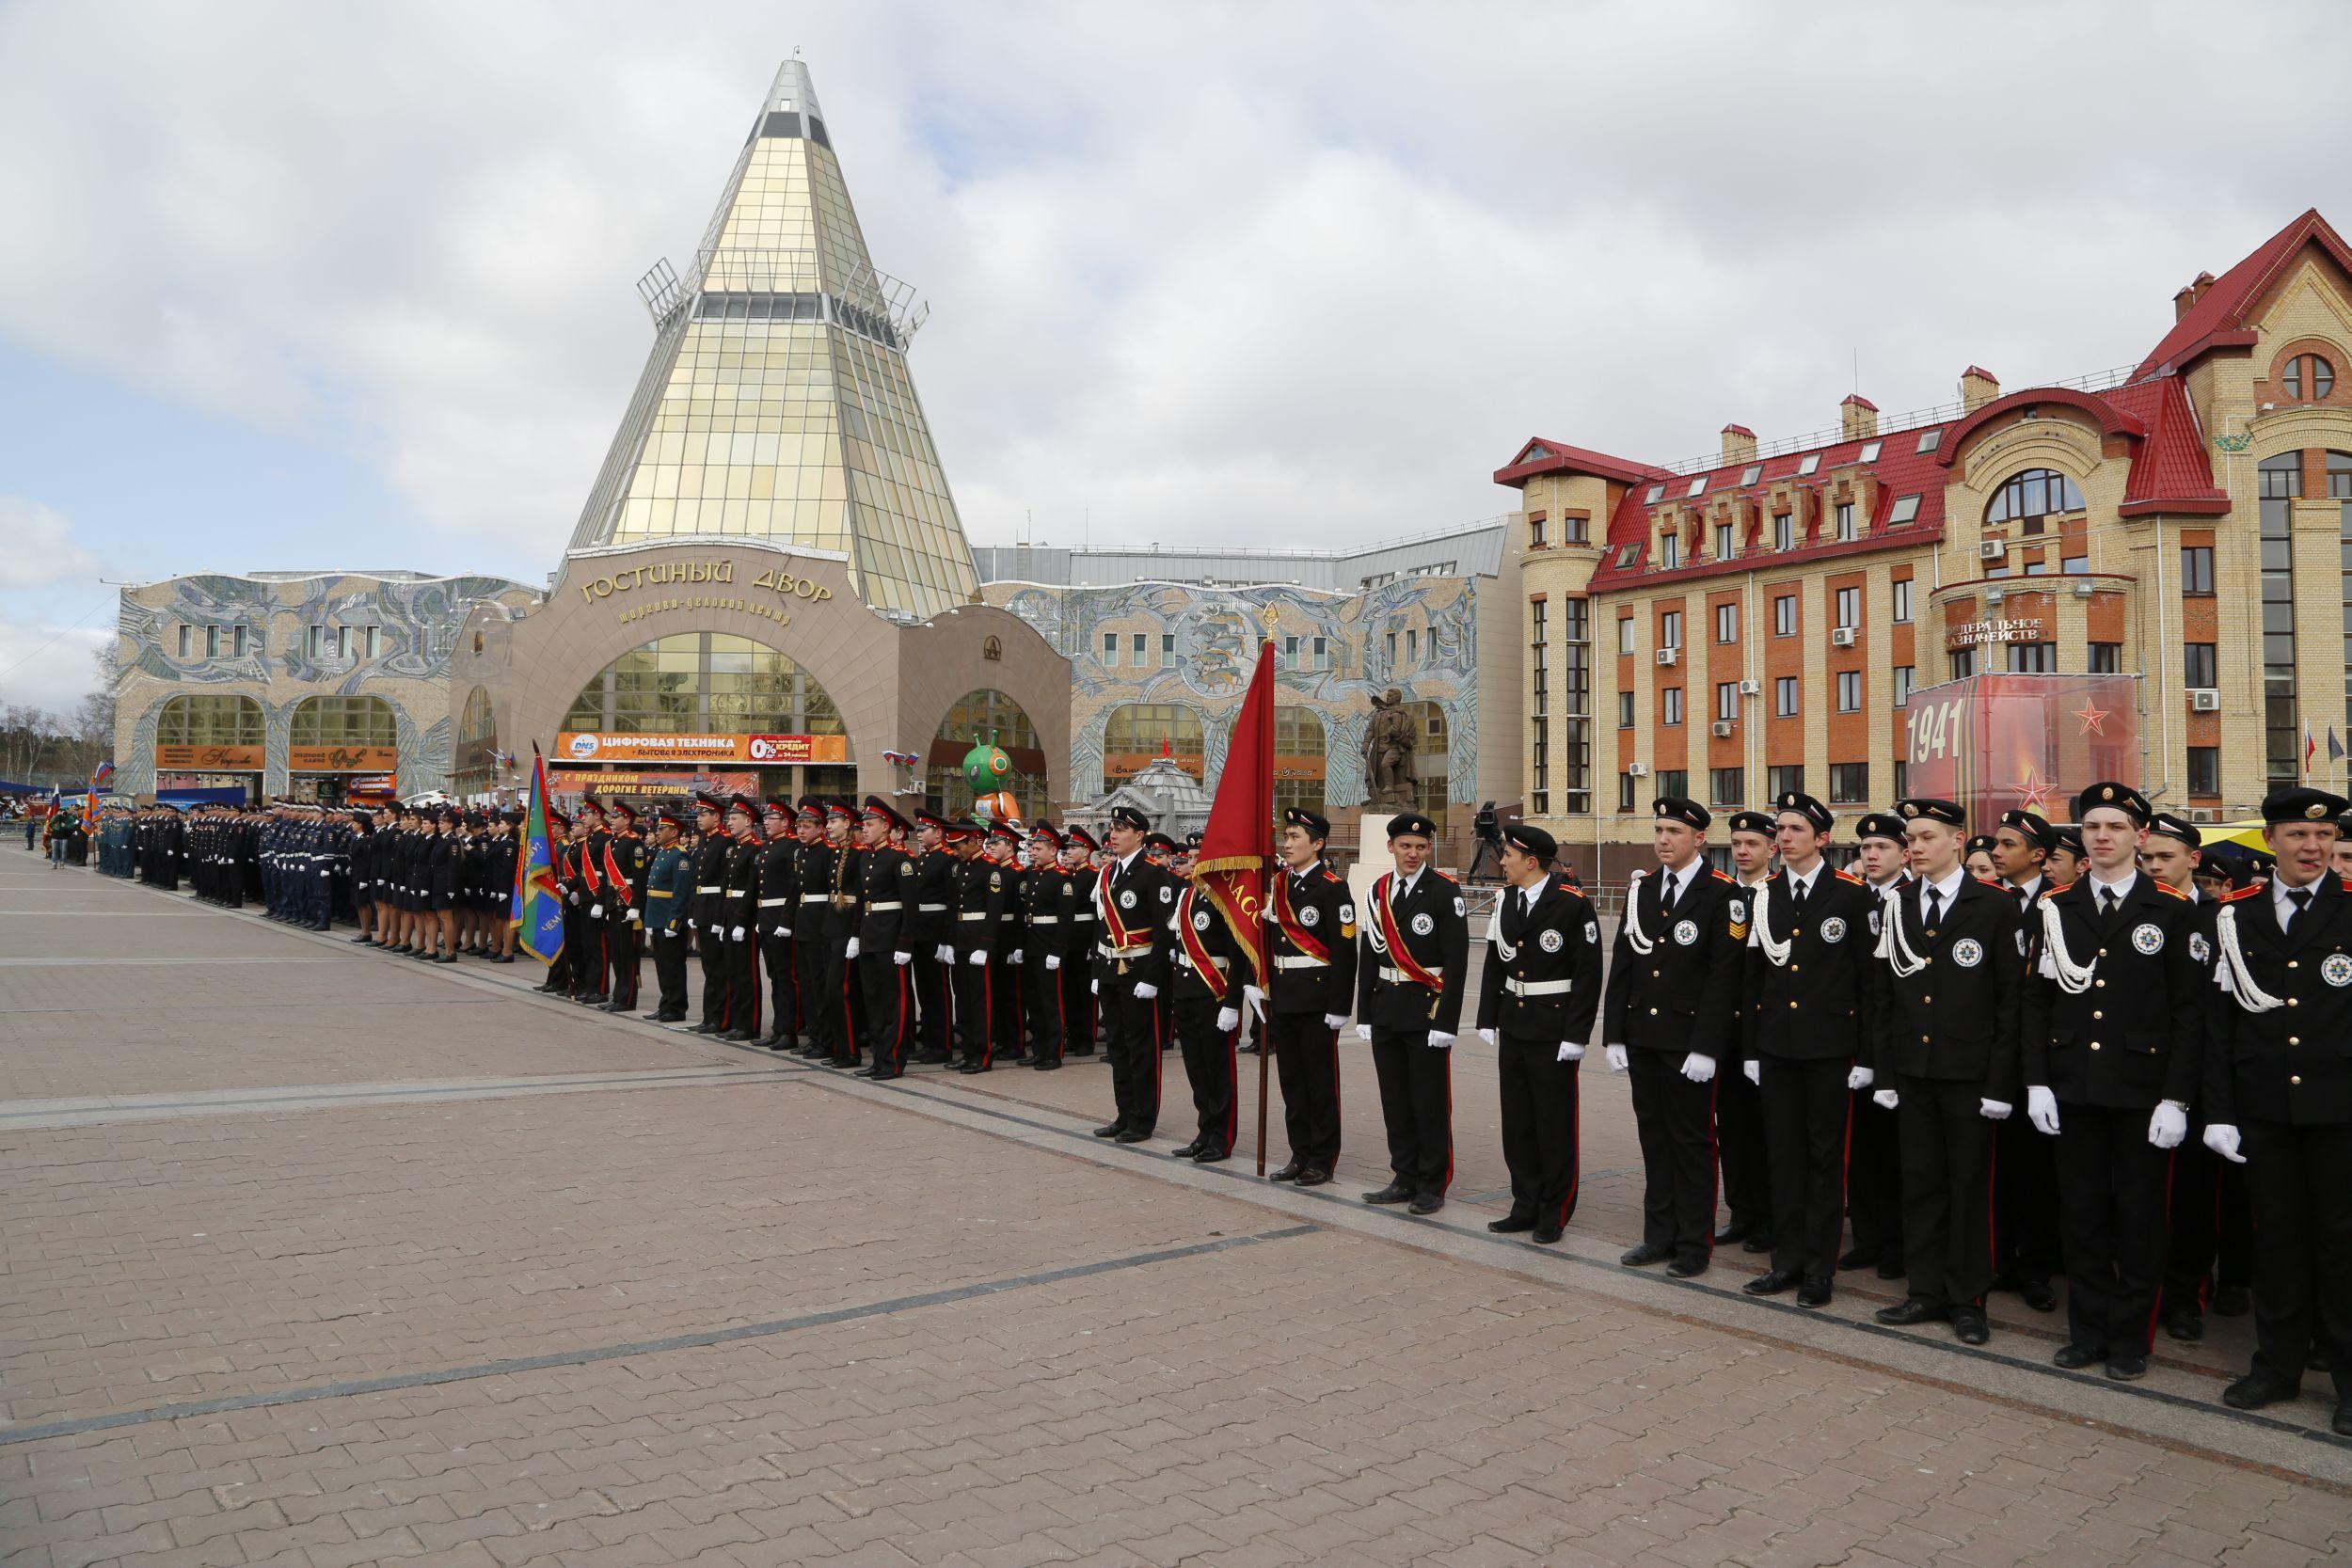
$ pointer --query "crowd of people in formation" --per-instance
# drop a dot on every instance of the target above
(2105, 1050)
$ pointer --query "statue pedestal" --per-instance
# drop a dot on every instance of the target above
(1373, 859)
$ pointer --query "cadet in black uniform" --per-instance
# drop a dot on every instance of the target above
(1208, 971)
(883, 946)
(2111, 1034)
(1808, 996)
(710, 908)
(841, 918)
(1674, 983)
(1945, 1055)
(1408, 1008)
(2278, 1094)
(626, 867)
(1747, 1168)
(933, 936)
(2026, 1250)
(1044, 900)
(740, 920)
(1133, 899)
(1874, 1170)
(593, 906)
(813, 865)
(979, 900)
(1311, 946)
(1077, 952)
(1538, 994)
(777, 904)
(1007, 1016)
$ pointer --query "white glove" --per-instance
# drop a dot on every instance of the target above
(1095, 987)
(2168, 1126)
(1440, 1040)
(573, 898)
(1335, 1022)
(1861, 1078)
(1016, 955)
(671, 929)
(782, 931)
(326, 876)
(634, 918)
(738, 933)
(850, 951)
(1364, 1033)
(1146, 992)
(2222, 1139)
(1616, 1056)
(1885, 1099)
(1227, 1019)
(691, 926)
(1698, 1068)
(1570, 1052)
(1487, 1036)
(1053, 961)
(595, 911)
(2041, 1109)
(1754, 1068)
(944, 953)
(901, 958)
(1256, 999)
(1994, 1110)
(976, 957)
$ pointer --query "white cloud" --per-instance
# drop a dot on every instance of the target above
(38, 548)
(46, 666)
(1209, 273)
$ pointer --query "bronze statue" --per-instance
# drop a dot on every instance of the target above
(1388, 742)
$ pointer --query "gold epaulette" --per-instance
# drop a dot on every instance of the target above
(1849, 877)
(2167, 887)
(2235, 893)
(1727, 877)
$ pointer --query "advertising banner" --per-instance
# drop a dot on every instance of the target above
(766, 749)
(341, 759)
(217, 759)
(566, 784)
(1996, 743)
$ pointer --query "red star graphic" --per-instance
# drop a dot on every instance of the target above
(2094, 718)
(2034, 793)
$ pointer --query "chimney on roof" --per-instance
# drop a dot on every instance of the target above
(2186, 299)
(1739, 445)
(1977, 387)
(1858, 416)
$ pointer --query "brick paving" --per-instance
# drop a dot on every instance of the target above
(968, 1333)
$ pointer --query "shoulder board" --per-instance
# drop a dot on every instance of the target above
(2165, 887)
(1727, 877)
(2347, 883)
(2235, 893)
(1330, 875)
(1991, 882)
(1849, 877)
(1451, 883)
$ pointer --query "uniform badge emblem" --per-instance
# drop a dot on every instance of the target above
(1686, 931)
(1168, 896)
(1833, 929)
(1591, 932)
(1126, 899)
(2198, 948)
(1967, 951)
(1310, 915)
(1423, 925)
(2336, 969)
(2148, 937)
(2021, 942)
(1347, 915)
(1874, 922)
(1549, 941)
(1461, 910)
(1199, 920)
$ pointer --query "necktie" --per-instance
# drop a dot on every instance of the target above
(1796, 897)
(2108, 901)
(2024, 899)
(1935, 907)
(1666, 896)
(2300, 897)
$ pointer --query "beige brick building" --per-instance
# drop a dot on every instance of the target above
(1760, 622)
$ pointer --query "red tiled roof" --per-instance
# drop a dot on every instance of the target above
(2169, 470)
(1858, 400)
(2112, 420)
(1738, 430)
(1558, 458)
(2217, 320)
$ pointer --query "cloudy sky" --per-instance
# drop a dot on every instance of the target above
(300, 286)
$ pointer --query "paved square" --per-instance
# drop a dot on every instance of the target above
(315, 1256)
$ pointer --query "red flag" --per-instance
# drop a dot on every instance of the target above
(1230, 866)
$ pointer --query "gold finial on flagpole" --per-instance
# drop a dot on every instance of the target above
(1272, 615)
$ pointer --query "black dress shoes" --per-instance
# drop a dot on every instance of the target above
(1425, 1203)
(1512, 1223)
(1109, 1130)
(1545, 1234)
(735, 1037)
(1778, 1282)
(2184, 1323)
(1211, 1155)
(2073, 1358)
(1649, 1252)
(1131, 1136)
(1908, 1311)
(1760, 1242)
(1737, 1231)
(2127, 1367)
(1285, 1173)
(1813, 1292)
(1313, 1175)
(1683, 1268)
(2232, 1301)
(2256, 1389)
(1891, 1267)
(1859, 1258)
(1045, 1063)
(1395, 1192)
(1187, 1151)
(704, 1029)
(1968, 1325)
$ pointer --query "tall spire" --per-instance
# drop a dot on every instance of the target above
(777, 404)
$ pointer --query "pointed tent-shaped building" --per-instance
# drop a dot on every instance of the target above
(777, 404)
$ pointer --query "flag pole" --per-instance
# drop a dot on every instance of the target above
(1266, 943)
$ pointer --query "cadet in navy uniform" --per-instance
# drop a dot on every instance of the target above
(1133, 899)
(2110, 1033)
(2278, 1094)
(2026, 1251)
(1810, 989)
(1208, 971)
(1945, 1055)
(1311, 945)
(1538, 994)
(1674, 986)
(669, 895)
(1408, 1008)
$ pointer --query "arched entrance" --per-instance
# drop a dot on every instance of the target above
(1137, 733)
(986, 714)
(473, 766)
(207, 742)
(333, 741)
(706, 705)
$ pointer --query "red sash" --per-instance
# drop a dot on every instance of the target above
(588, 865)
(1298, 936)
(1393, 934)
(613, 872)
(1121, 934)
(1197, 951)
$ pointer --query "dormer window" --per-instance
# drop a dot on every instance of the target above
(1928, 440)
(1625, 554)
(1669, 552)
(1870, 452)
(1812, 464)
(1656, 492)
(1750, 474)
(1906, 509)
(1698, 487)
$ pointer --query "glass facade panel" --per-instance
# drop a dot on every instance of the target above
(702, 682)
(210, 721)
(1299, 760)
(2281, 479)
(345, 721)
(1576, 693)
(1136, 733)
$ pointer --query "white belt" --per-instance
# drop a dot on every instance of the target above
(1398, 978)
(893, 904)
(1185, 958)
(771, 903)
(713, 889)
(1137, 952)
(973, 914)
(1044, 920)
(1535, 988)
(932, 908)
(1286, 961)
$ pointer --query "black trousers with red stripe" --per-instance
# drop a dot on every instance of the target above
(889, 988)
(1134, 1048)
(711, 943)
(1209, 1068)
(1807, 1111)
(1675, 1120)
(1041, 1003)
(2113, 1190)
(2212, 1243)
(1541, 1125)
(620, 953)
(784, 997)
(1948, 1190)
(1077, 1005)
(742, 973)
(1417, 1107)
(1307, 1058)
(974, 1007)
(932, 984)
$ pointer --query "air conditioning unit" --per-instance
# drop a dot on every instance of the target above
(1993, 597)
(1992, 549)
(2204, 699)
(2203, 814)
(1721, 729)
(1751, 688)
(1667, 656)
(1637, 769)
(1842, 636)
(2082, 590)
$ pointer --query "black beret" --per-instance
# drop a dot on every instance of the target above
(2035, 828)
(1411, 822)
(1807, 807)
(1130, 818)
(1682, 808)
(1878, 824)
(1530, 840)
(2173, 827)
(1299, 817)
(1751, 822)
(2295, 804)
(2069, 837)
(1982, 841)
(2121, 796)
(1925, 808)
